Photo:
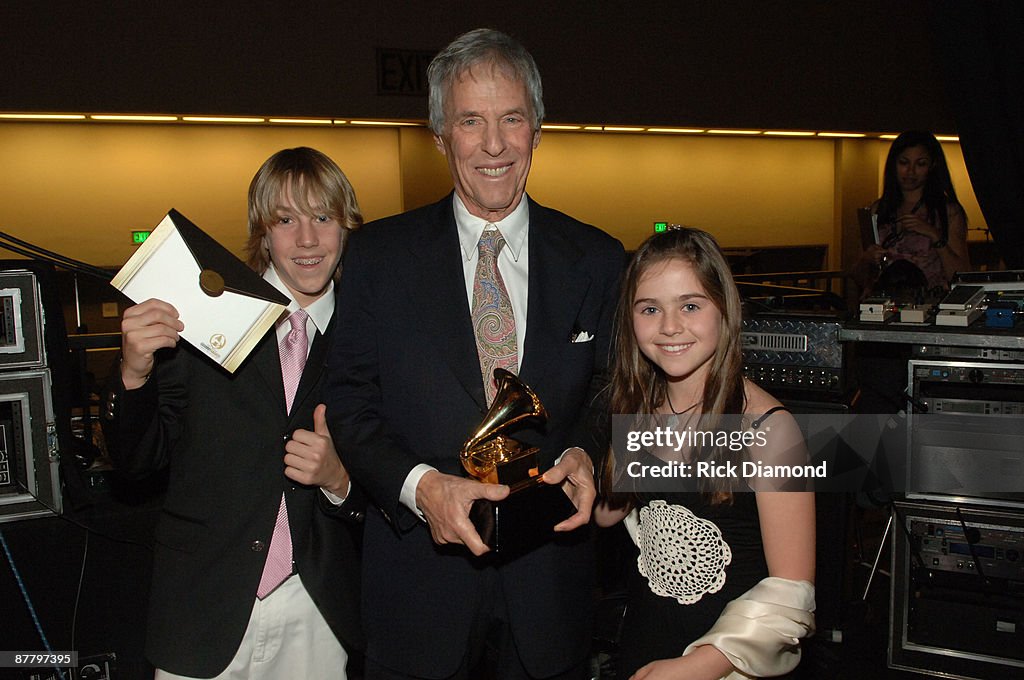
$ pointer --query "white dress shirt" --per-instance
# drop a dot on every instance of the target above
(320, 311)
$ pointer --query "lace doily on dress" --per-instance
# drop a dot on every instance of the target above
(681, 555)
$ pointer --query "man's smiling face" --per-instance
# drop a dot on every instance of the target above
(488, 140)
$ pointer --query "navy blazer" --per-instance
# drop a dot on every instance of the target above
(404, 388)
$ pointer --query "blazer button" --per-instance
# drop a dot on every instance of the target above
(257, 546)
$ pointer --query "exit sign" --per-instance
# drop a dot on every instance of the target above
(659, 227)
(402, 71)
(139, 237)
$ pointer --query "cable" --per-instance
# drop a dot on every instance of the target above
(911, 548)
(81, 575)
(89, 529)
(970, 545)
(78, 591)
(80, 525)
(918, 405)
(39, 253)
(28, 600)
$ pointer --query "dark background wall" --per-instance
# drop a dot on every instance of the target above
(849, 64)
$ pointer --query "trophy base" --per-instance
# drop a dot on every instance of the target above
(522, 521)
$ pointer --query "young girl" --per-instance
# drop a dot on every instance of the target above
(723, 582)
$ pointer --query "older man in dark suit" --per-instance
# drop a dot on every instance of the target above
(432, 301)
(251, 578)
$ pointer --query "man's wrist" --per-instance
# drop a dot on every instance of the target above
(408, 496)
(576, 450)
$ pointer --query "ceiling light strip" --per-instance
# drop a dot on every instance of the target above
(385, 123)
(169, 118)
(300, 121)
(689, 131)
(132, 117)
(222, 119)
(42, 116)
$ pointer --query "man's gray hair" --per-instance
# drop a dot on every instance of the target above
(482, 46)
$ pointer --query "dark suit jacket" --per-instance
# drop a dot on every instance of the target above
(404, 387)
(223, 437)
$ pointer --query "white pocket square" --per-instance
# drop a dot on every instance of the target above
(582, 336)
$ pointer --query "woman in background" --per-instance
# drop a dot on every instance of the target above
(919, 217)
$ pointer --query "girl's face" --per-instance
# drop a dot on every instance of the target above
(675, 322)
(912, 166)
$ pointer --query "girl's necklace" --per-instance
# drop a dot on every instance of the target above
(674, 420)
(672, 408)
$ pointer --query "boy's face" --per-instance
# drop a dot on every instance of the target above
(305, 249)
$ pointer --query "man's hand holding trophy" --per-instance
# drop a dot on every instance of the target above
(527, 516)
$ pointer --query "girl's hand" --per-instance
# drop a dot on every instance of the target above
(874, 254)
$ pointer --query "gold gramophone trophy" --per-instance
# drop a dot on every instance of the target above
(526, 517)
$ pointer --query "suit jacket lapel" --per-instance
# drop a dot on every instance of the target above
(266, 363)
(557, 287)
(441, 296)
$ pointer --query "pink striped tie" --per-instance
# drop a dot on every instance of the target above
(293, 360)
